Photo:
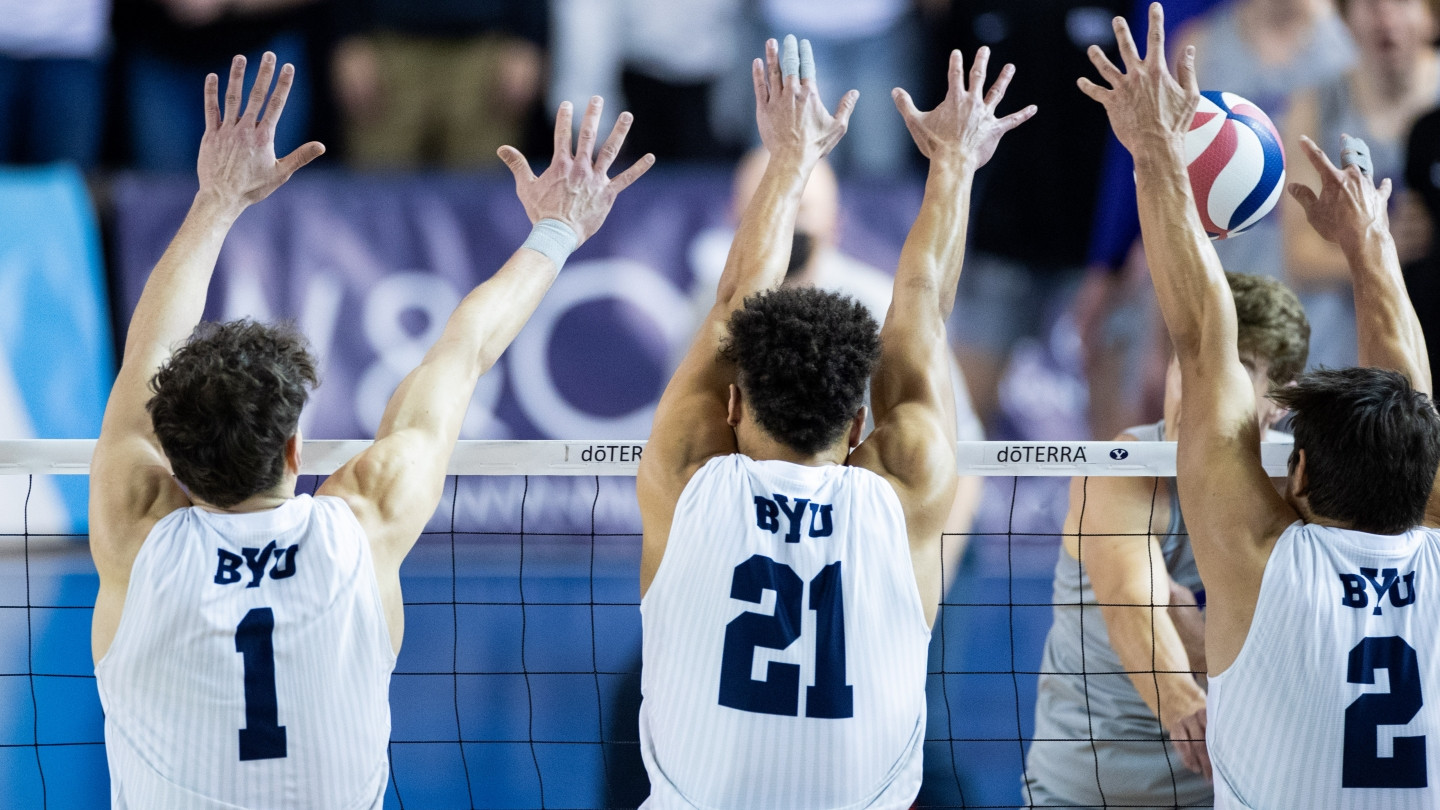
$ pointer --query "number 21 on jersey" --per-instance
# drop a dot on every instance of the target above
(830, 697)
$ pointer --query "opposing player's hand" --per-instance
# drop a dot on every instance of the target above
(237, 164)
(576, 188)
(1147, 106)
(1188, 736)
(1348, 204)
(792, 119)
(964, 126)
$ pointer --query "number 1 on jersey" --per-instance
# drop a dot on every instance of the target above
(830, 697)
(263, 737)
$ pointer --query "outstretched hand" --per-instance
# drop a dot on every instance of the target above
(575, 188)
(788, 110)
(964, 126)
(1146, 105)
(1348, 204)
(237, 162)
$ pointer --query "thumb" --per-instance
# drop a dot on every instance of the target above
(302, 155)
(1384, 190)
(905, 104)
(516, 162)
(1302, 194)
(846, 107)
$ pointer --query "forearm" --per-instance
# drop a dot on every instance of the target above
(934, 251)
(174, 296)
(435, 395)
(1189, 281)
(761, 249)
(1154, 657)
(1388, 330)
(489, 318)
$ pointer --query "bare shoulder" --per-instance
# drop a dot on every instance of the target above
(131, 489)
(909, 449)
(390, 496)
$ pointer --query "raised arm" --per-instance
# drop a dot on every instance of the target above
(1350, 212)
(394, 486)
(130, 479)
(1233, 512)
(913, 444)
(690, 421)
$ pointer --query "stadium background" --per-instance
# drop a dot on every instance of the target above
(367, 264)
(589, 366)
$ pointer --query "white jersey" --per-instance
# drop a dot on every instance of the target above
(1334, 700)
(251, 667)
(785, 644)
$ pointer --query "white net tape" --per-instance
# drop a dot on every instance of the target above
(622, 457)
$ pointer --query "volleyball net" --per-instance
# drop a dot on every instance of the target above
(518, 684)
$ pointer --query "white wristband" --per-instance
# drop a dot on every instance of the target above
(554, 240)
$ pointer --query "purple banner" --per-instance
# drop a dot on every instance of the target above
(370, 268)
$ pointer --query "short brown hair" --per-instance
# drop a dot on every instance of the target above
(1272, 325)
(226, 402)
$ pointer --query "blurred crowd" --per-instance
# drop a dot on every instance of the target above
(440, 84)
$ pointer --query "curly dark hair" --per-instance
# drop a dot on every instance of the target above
(1371, 442)
(226, 402)
(804, 357)
(1270, 325)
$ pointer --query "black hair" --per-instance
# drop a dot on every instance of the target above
(804, 356)
(225, 404)
(1371, 442)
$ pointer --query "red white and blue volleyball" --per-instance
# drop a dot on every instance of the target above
(1236, 162)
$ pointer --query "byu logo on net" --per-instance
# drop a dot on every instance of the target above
(1119, 454)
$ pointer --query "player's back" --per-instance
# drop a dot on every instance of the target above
(785, 643)
(1334, 699)
(251, 666)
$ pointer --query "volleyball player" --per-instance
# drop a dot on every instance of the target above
(789, 584)
(1310, 595)
(244, 636)
(1118, 673)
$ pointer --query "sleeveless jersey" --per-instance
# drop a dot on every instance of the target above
(784, 644)
(1096, 742)
(1334, 700)
(252, 663)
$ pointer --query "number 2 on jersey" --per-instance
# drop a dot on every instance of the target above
(779, 693)
(1363, 767)
(263, 737)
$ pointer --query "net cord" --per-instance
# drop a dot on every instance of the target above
(622, 457)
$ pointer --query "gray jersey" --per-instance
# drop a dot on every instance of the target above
(1096, 742)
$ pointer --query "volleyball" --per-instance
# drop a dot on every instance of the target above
(1236, 163)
